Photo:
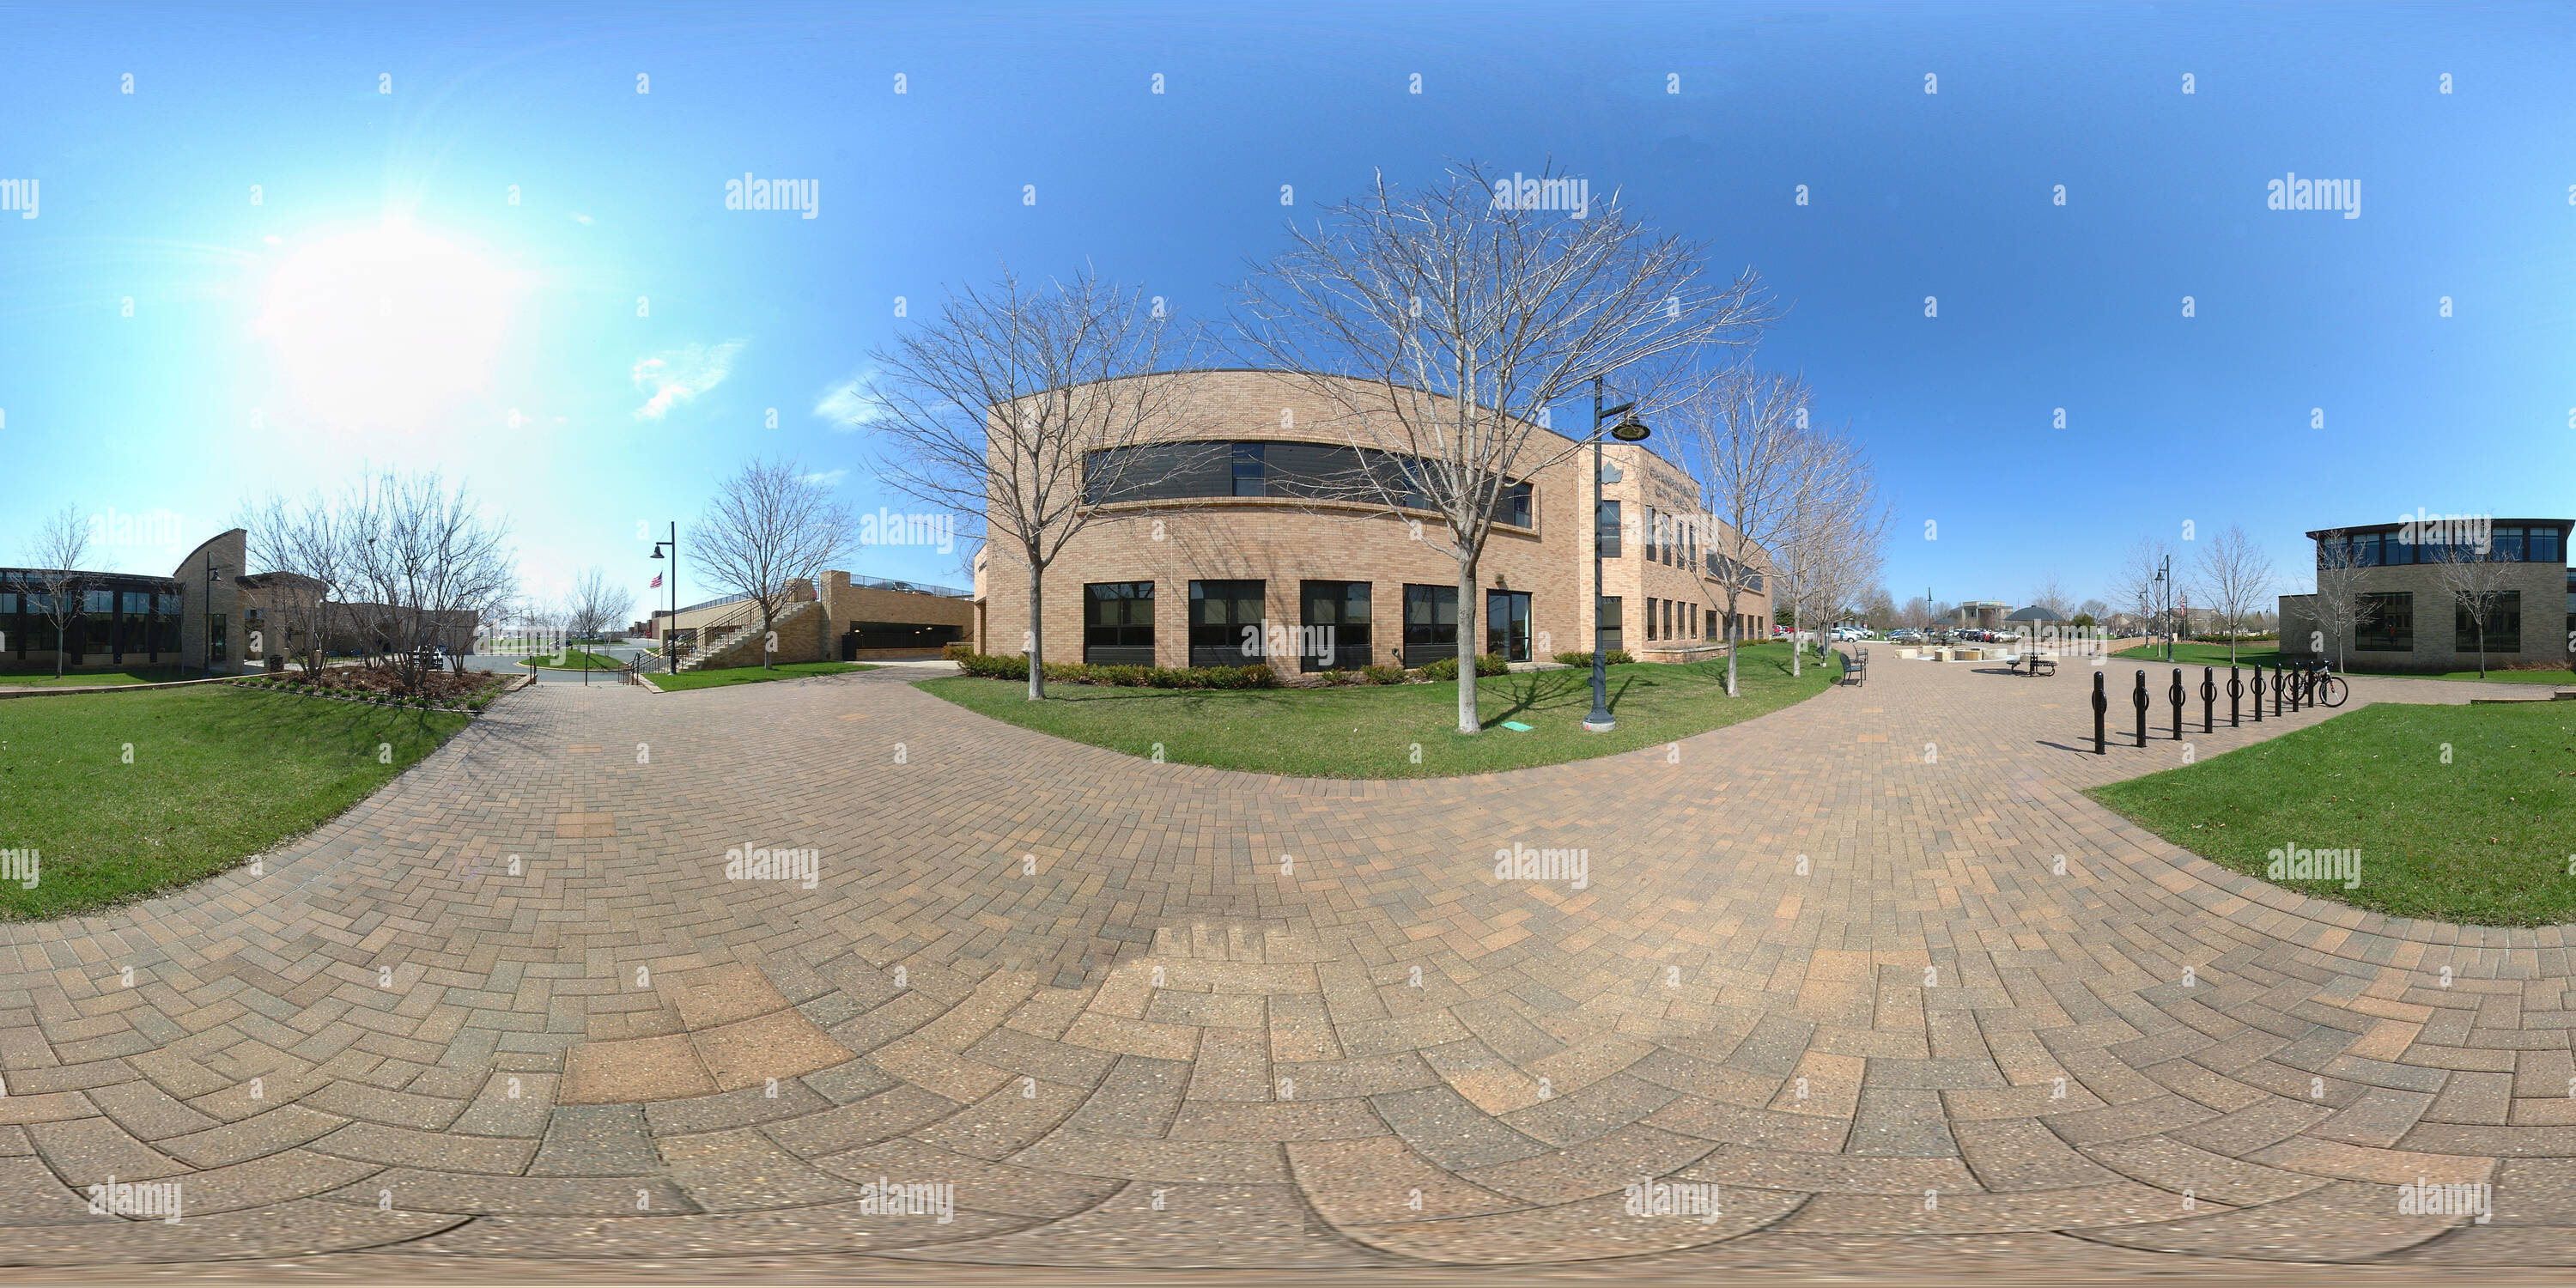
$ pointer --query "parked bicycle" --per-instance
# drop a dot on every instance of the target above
(2324, 686)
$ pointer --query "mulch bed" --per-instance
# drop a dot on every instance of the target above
(469, 691)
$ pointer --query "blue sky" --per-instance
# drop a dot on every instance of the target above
(518, 359)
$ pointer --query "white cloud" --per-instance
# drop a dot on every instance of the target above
(580, 218)
(677, 375)
(845, 405)
(828, 478)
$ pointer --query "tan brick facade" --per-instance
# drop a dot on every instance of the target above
(1285, 542)
(2546, 611)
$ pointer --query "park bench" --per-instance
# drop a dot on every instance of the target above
(2034, 664)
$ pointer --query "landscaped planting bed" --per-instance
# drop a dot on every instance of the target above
(467, 691)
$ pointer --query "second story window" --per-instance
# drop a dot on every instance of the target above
(1607, 525)
(1248, 474)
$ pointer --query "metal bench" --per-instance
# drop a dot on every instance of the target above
(2034, 664)
(1856, 667)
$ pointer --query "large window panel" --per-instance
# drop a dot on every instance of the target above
(1334, 625)
(1610, 609)
(2504, 625)
(1605, 525)
(1221, 612)
(2388, 623)
(1430, 624)
(1118, 623)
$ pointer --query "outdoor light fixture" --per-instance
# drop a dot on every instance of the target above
(1628, 430)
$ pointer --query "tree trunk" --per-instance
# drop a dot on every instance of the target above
(1036, 651)
(765, 632)
(1734, 634)
(1467, 718)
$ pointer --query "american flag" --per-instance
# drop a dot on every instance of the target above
(657, 582)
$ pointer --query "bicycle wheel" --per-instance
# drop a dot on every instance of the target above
(2332, 690)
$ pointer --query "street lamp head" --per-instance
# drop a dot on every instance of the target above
(657, 549)
(1630, 429)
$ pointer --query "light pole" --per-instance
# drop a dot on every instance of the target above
(211, 569)
(1629, 430)
(670, 633)
(2164, 582)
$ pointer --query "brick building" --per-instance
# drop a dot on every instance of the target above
(2411, 623)
(1233, 539)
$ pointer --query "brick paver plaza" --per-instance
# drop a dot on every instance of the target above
(1138, 1015)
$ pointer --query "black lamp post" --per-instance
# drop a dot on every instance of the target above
(1628, 430)
(211, 569)
(2164, 580)
(671, 633)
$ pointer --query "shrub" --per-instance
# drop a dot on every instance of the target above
(1383, 675)
(1331, 676)
(1618, 657)
(997, 667)
(1444, 669)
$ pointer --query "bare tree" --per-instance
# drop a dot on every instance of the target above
(2476, 578)
(1021, 409)
(1740, 444)
(1832, 532)
(304, 541)
(426, 558)
(2138, 585)
(1450, 319)
(2094, 609)
(2343, 609)
(61, 547)
(598, 603)
(1878, 609)
(769, 525)
(1917, 612)
(2235, 577)
(2051, 594)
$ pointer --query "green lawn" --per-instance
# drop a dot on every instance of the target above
(2487, 838)
(719, 677)
(577, 659)
(219, 773)
(1373, 731)
(2266, 653)
(121, 675)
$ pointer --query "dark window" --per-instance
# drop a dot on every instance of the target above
(899, 635)
(169, 605)
(1118, 623)
(1514, 507)
(1609, 609)
(1668, 619)
(1430, 624)
(2507, 545)
(2388, 623)
(1225, 623)
(101, 603)
(1334, 630)
(1650, 617)
(137, 603)
(219, 646)
(8, 603)
(2543, 546)
(1606, 524)
(1507, 624)
(1247, 469)
(2504, 625)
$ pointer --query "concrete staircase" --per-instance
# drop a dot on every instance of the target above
(736, 640)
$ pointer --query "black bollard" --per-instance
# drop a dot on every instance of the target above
(2101, 704)
(2298, 691)
(2276, 690)
(2140, 700)
(2173, 696)
(2235, 693)
(2208, 699)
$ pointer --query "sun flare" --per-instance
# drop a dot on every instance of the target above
(385, 328)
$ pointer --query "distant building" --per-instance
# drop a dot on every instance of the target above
(850, 619)
(2410, 623)
(1982, 614)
